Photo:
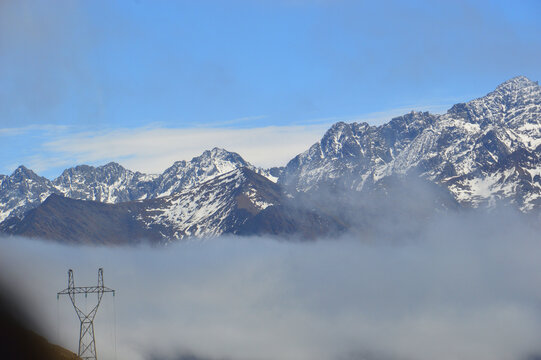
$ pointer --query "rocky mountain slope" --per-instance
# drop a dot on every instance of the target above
(22, 191)
(219, 205)
(484, 151)
(112, 183)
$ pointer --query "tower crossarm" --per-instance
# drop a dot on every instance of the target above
(85, 290)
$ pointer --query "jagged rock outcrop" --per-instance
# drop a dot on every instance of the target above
(113, 184)
(484, 151)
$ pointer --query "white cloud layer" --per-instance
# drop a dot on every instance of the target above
(48, 149)
(153, 149)
(467, 289)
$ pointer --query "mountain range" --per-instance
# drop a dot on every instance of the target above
(477, 155)
(112, 183)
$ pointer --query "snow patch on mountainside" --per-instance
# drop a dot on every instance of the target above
(112, 183)
(481, 150)
(209, 209)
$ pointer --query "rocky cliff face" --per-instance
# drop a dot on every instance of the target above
(22, 191)
(220, 205)
(112, 183)
(483, 151)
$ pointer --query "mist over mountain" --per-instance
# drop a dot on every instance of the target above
(427, 232)
(465, 287)
(480, 154)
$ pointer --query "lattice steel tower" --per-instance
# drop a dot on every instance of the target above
(87, 342)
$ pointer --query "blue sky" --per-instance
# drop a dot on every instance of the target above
(89, 82)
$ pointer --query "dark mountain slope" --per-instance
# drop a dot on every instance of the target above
(220, 205)
(112, 183)
(81, 222)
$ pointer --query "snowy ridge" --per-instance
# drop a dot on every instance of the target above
(220, 205)
(22, 191)
(484, 151)
(112, 183)
(186, 174)
(217, 206)
(351, 153)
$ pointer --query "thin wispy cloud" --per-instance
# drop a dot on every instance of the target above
(237, 121)
(381, 117)
(153, 149)
(46, 129)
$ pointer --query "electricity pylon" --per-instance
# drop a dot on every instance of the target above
(87, 342)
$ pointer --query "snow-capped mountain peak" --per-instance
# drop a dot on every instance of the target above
(517, 83)
(112, 183)
(220, 204)
(511, 103)
(183, 174)
(485, 150)
(22, 191)
(22, 172)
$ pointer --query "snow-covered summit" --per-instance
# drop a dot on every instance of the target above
(348, 153)
(514, 103)
(21, 191)
(112, 183)
(185, 174)
(517, 83)
(483, 151)
(218, 205)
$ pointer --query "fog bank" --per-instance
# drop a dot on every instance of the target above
(469, 287)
